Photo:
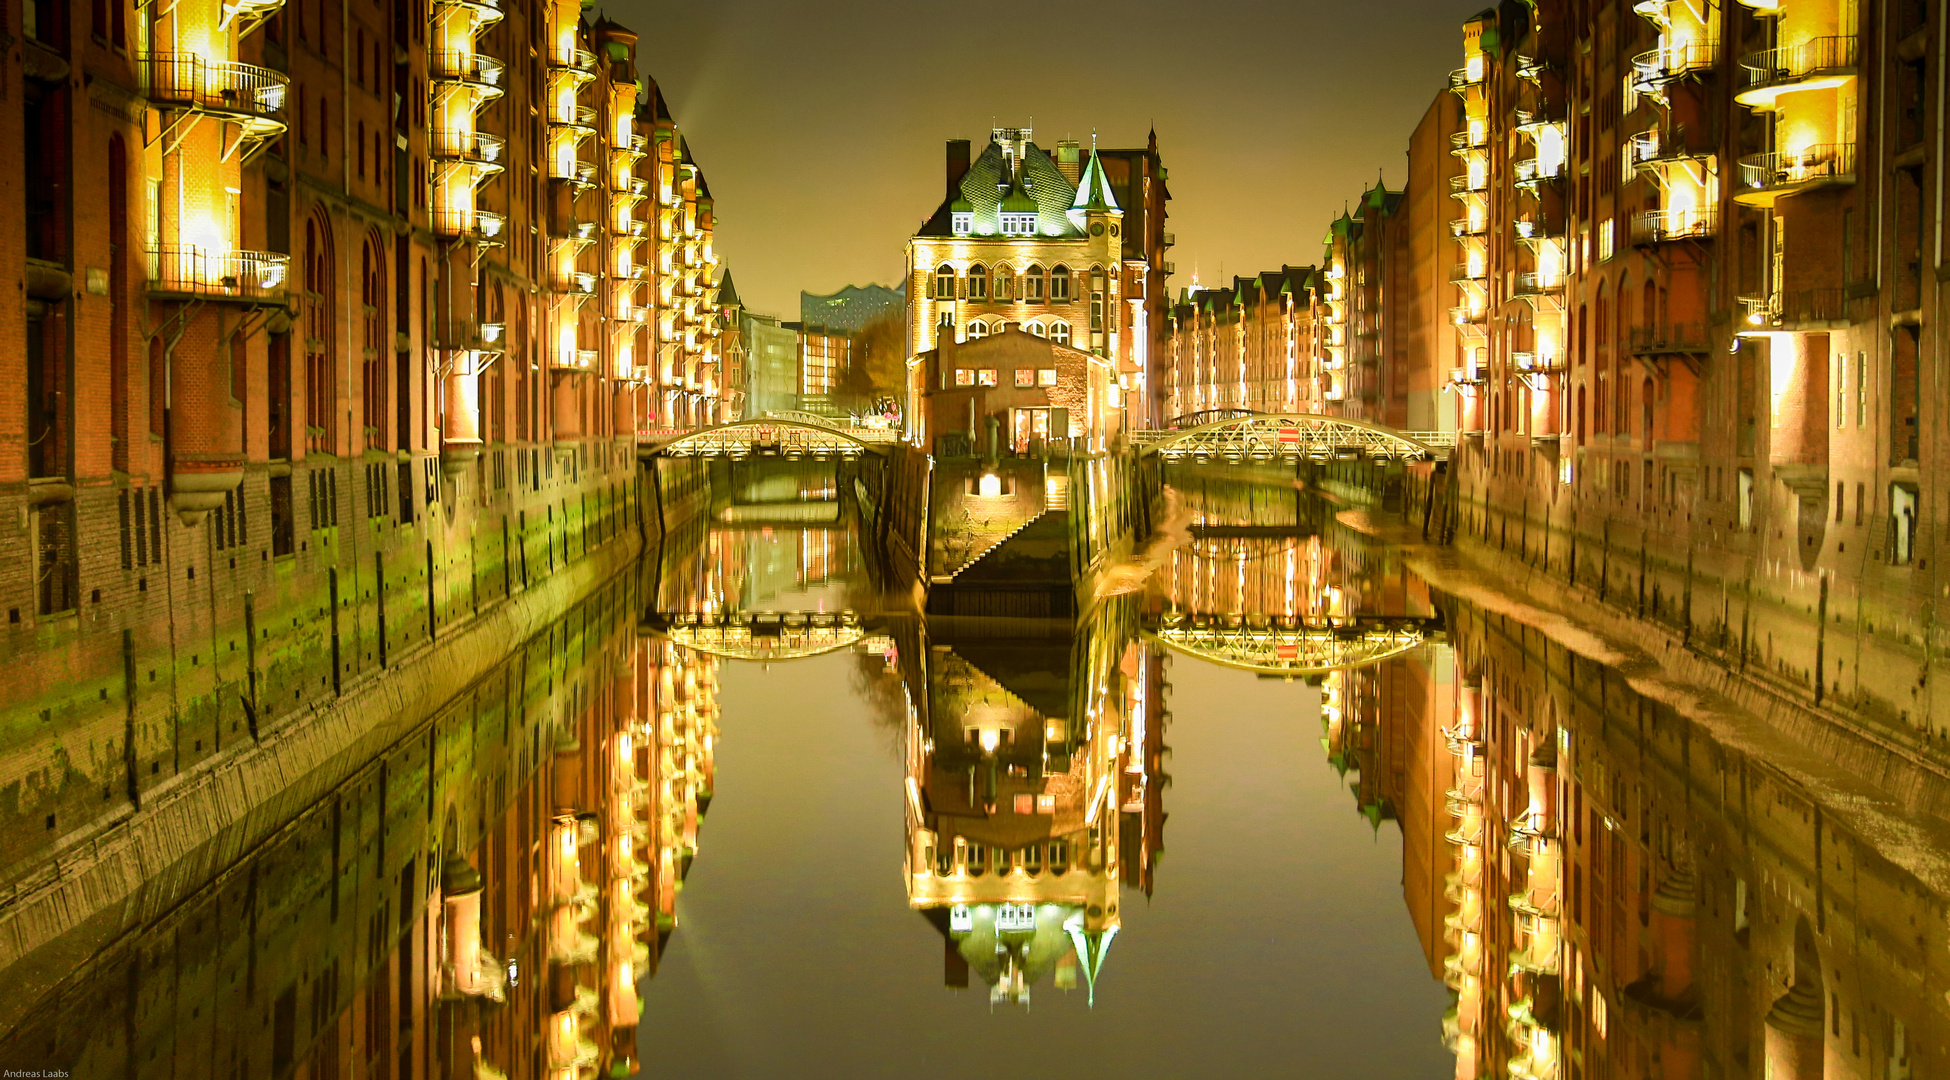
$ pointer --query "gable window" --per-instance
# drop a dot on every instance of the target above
(1060, 333)
(1032, 280)
(944, 282)
(963, 222)
(1037, 329)
(1046, 376)
(1025, 377)
(1018, 224)
(985, 376)
(964, 376)
(1059, 285)
(978, 282)
(978, 329)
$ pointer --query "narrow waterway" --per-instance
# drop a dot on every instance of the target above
(1287, 810)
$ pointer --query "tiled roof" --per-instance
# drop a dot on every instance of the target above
(981, 190)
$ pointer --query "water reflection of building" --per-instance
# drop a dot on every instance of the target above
(1034, 796)
(1613, 891)
(481, 900)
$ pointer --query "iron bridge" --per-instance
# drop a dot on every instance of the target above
(769, 436)
(761, 636)
(1291, 647)
(1238, 435)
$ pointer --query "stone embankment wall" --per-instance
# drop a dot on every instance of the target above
(226, 684)
(1839, 628)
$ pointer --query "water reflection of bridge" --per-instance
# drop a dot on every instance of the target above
(762, 636)
(1291, 647)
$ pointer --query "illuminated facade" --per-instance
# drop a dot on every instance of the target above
(1251, 346)
(340, 326)
(1052, 245)
(1693, 301)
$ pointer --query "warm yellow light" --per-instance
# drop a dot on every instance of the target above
(991, 485)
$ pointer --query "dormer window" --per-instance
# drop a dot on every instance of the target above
(1018, 224)
(964, 222)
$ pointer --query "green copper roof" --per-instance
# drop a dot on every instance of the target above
(1019, 201)
(1093, 190)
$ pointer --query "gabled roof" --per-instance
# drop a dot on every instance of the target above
(983, 190)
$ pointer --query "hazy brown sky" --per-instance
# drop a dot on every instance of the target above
(820, 125)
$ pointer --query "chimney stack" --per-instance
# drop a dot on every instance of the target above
(957, 166)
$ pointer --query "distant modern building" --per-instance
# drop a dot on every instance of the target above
(853, 308)
(771, 364)
(1046, 243)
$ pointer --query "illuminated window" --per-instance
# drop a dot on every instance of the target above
(964, 376)
(944, 282)
(1604, 240)
(978, 329)
(1032, 279)
(1046, 377)
(985, 376)
(1025, 377)
(1037, 329)
(1017, 224)
(964, 222)
(978, 282)
(1059, 285)
(1060, 333)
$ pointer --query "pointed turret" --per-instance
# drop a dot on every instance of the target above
(1093, 191)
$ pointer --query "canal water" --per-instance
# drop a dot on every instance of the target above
(1286, 810)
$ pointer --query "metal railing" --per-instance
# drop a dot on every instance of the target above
(186, 80)
(466, 66)
(243, 275)
(1462, 227)
(1468, 185)
(1531, 283)
(1463, 76)
(573, 60)
(1464, 274)
(467, 222)
(1661, 226)
(1822, 162)
(1657, 67)
(581, 119)
(474, 146)
(1534, 170)
(1680, 337)
(1792, 63)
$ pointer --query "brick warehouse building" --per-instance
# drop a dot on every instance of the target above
(338, 324)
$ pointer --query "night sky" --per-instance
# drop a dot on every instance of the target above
(820, 125)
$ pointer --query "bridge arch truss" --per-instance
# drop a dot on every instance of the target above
(1290, 437)
(762, 637)
(765, 437)
(1289, 648)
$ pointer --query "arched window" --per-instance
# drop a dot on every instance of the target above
(977, 329)
(944, 282)
(320, 409)
(1037, 329)
(978, 282)
(1059, 332)
(1032, 280)
(372, 297)
(1059, 285)
(1003, 281)
(1645, 405)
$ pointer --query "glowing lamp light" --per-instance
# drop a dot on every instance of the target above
(990, 486)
